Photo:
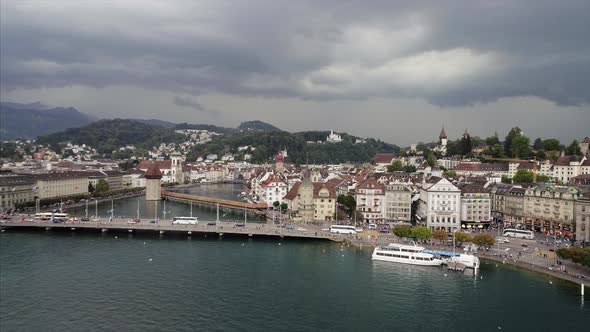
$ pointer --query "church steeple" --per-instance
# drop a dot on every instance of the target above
(442, 134)
(466, 133)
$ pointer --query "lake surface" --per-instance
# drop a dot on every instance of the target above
(129, 207)
(61, 281)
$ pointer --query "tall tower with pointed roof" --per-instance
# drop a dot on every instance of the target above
(153, 186)
(466, 134)
(305, 193)
(443, 137)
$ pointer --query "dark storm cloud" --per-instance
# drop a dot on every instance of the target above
(187, 102)
(456, 53)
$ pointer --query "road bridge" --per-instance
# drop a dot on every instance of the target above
(126, 225)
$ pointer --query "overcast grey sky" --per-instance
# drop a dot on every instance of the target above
(395, 70)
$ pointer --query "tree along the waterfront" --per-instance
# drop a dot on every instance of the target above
(575, 254)
(461, 237)
(102, 186)
(421, 233)
(348, 203)
(403, 231)
(440, 235)
(484, 240)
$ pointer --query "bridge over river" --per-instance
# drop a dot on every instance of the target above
(118, 225)
(258, 208)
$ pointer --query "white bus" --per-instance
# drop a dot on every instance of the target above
(342, 229)
(48, 215)
(185, 221)
(519, 233)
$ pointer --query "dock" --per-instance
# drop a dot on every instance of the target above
(455, 266)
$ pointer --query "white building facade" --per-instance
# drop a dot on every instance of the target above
(440, 205)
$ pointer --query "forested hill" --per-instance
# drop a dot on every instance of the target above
(301, 146)
(108, 135)
(257, 125)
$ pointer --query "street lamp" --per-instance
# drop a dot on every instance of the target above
(96, 209)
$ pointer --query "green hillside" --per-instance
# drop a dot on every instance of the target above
(108, 135)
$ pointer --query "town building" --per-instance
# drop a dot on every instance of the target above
(370, 201)
(475, 169)
(514, 207)
(567, 167)
(171, 169)
(333, 138)
(383, 159)
(61, 184)
(133, 179)
(398, 203)
(15, 189)
(582, 218)
(440, 205)
(550, 209)
(273, 190)
(304, 200)
(585, 146)
(475, 206)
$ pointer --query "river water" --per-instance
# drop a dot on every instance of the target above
(129, 207)
(67, 281)
(92, 282)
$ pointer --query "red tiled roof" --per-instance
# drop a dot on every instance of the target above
(293, 192)
(371, 184)
(481, 167)
(383, 158)
(473, 188)
(153, 172)
(162, 164)
(317, 186)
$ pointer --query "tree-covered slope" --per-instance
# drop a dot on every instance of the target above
(108, 135)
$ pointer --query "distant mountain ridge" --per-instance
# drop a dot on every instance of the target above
(28, 121)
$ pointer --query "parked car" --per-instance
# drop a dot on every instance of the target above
(290, 227)
(212, 223)
(503, 240)
(84, 219)
(152, 221)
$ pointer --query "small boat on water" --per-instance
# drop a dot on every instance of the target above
(405, 254)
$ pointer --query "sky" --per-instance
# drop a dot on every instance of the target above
(393, 70)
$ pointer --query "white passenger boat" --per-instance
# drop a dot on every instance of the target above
(405, 254)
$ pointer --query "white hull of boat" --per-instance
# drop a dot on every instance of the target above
(434, 262)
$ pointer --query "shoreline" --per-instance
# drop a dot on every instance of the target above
(536, 268)
(519, 264)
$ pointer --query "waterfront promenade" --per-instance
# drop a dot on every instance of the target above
(221, 228)
(533, 256)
